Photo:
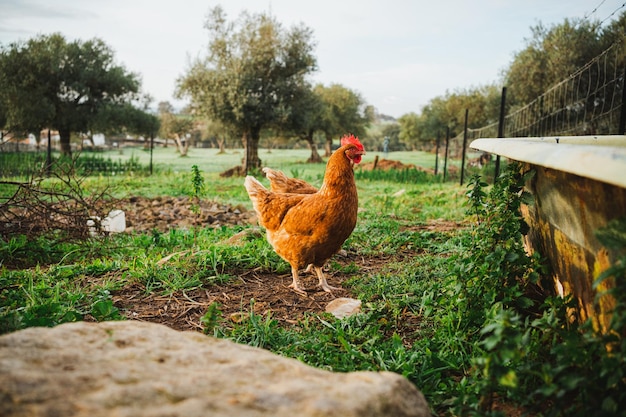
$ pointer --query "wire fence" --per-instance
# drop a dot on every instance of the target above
(27, 164)
(588, 102)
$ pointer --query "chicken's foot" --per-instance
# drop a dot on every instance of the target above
(322, 278)
(295, 285)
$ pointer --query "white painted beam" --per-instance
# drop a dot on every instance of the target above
(602, 158)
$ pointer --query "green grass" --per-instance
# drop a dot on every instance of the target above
(455, 310)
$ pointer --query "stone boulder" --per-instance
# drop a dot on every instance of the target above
(131, 368)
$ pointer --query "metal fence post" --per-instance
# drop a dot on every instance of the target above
(437, 153)
(464, 146)
(500, 132)
(445, 159)
(622, 117)
(49, 154)
(151, 148)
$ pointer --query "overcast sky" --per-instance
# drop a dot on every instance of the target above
(398, 54)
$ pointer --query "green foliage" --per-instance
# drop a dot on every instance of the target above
(103, 309)
(197, 180)
(551, 55)
(173, 125)
(459, 312)
(211, 318)
(70, 86)
(25, 164)
(97, 165)
(526, 350)
(407, 175)
(341, 112)
(42, 250)
(254, 53)
(197, 183)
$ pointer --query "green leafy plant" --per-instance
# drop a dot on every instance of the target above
(103, 309)
(211, 318)
(197, 182)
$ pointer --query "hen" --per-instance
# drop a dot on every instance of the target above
(308, 227)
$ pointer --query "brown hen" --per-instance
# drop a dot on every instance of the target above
(309, 228)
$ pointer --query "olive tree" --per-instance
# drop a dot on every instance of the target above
(305, 119)
(344, 111)
(250, 76)
(551, 55)
(48, 82)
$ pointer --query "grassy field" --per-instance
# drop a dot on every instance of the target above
(450, 298)
(209, 160)
(172, 172)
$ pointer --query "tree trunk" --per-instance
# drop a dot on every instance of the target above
(329, 145)
(220, 144)
(66, 147)
(251, 150)
(315, 156)
(183, 145)
(37, 140)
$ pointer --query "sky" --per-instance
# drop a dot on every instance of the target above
(397, 54)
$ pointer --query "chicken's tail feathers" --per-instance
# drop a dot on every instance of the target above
(274, 175)
(281, 183)
(253, 186)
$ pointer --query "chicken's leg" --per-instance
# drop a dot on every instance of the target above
(322, 278)
(295, 285)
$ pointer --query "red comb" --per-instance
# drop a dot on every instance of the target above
(346, 139)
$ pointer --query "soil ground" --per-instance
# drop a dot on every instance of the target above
(270, 292)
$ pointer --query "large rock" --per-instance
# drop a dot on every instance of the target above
(133, 368)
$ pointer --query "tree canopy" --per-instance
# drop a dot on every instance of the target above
(333, 111)
(344, 110)
(305, 118)
(549, 56)
(175, 126)
(251, 76)
(48, 82)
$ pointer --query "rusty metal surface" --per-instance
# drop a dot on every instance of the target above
(568, 210)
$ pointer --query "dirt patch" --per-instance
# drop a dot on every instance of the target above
(261, 293)
(437, 225)
(252, 291)
(164, 213)
(387, 164)
(249, 290)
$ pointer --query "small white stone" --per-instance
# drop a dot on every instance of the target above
(115, 222)
(399, 193)
(343, 307)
